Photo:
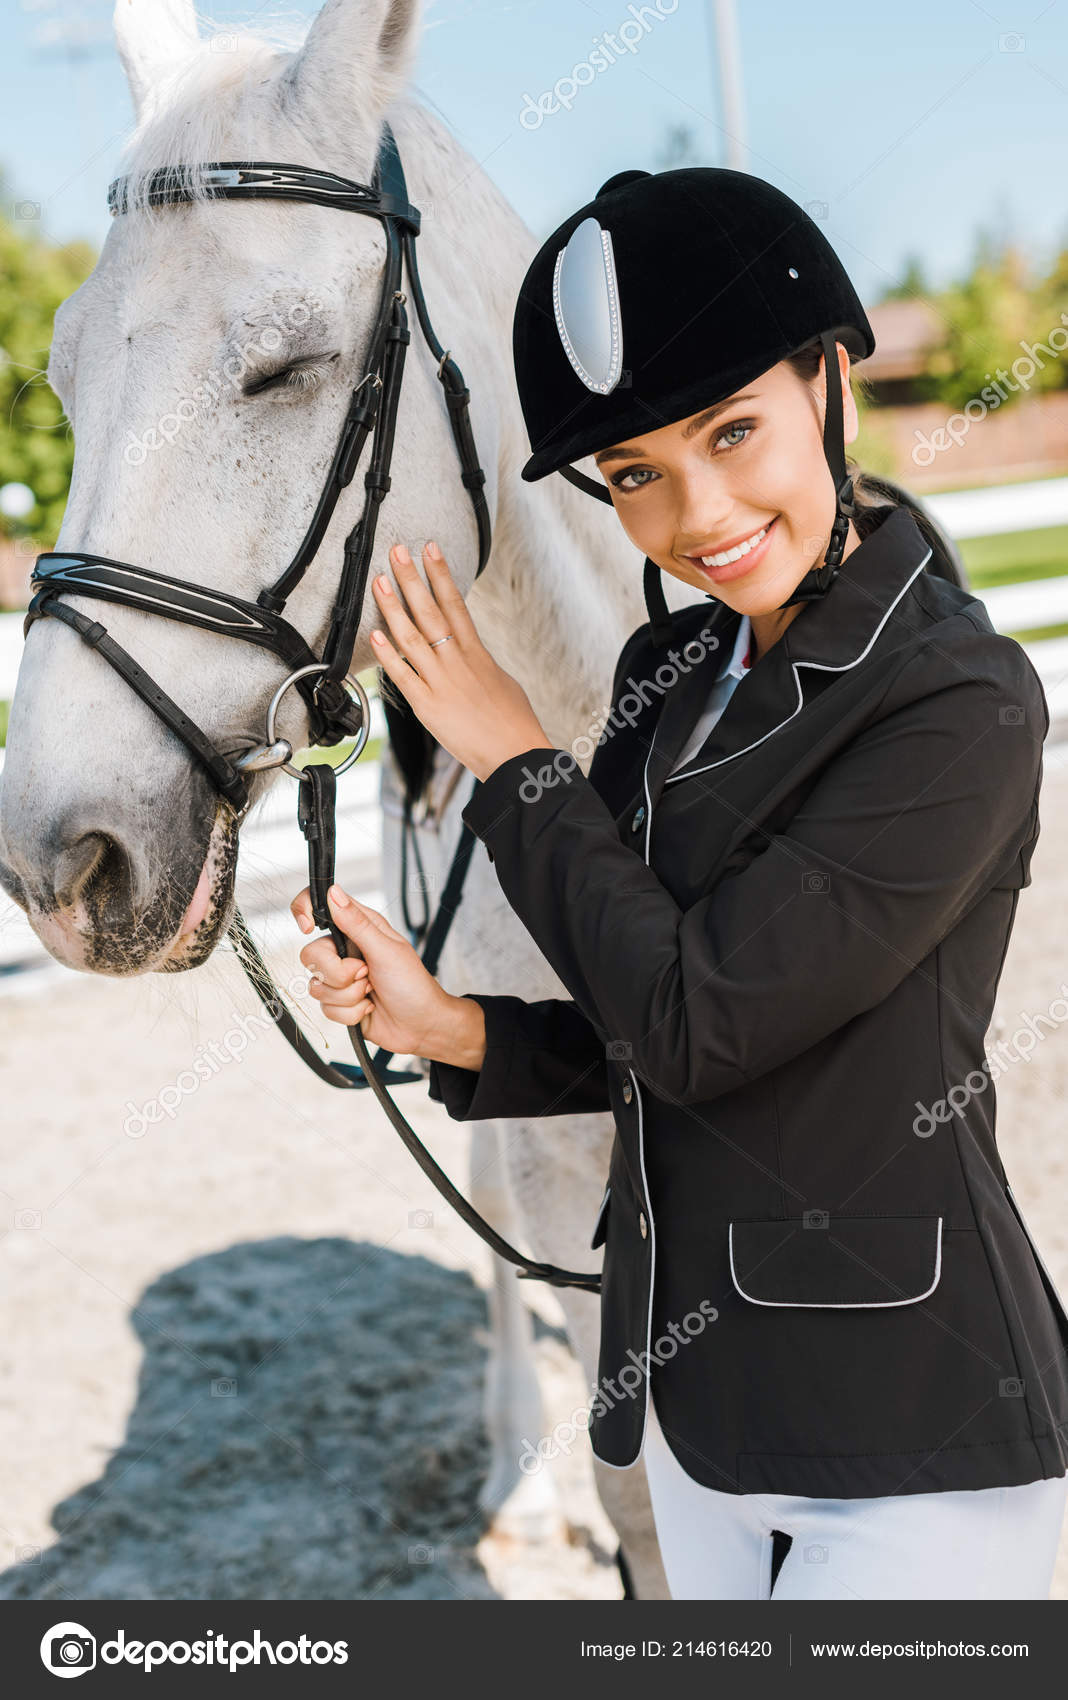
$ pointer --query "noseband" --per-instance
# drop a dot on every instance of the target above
(337, 703)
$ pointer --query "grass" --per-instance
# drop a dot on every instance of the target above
(371, 752)
(1016, 557)
(1039, 634)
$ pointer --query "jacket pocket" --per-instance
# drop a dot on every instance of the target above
(600, 1227)
(846, 1262)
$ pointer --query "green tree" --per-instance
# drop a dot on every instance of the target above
(36, 447)
(1050, 313)
(987, 315)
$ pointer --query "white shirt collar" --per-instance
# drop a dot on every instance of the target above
(735, 666)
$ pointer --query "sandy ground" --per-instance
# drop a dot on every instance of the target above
(239, 1361)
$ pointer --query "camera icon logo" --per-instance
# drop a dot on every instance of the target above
(68, 1649)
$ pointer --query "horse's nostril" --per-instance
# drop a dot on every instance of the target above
(91, 857)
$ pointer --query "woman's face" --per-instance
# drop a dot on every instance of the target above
(752, 464)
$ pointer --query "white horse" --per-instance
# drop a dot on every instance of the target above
(190, 462)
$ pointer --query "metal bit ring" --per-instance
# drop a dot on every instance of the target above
(255, 758)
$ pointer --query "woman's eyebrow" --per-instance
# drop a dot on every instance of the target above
(630, 451)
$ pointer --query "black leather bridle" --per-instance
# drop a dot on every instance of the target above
(337, 703)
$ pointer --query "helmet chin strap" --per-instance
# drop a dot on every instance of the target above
(818, 580)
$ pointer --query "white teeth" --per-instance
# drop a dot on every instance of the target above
(736, 554)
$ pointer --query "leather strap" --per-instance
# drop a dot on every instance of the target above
(581, 482)
(226, 778)
(178, 599)
(316, 819)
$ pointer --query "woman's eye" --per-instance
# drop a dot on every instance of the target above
(743, 425)
(633, 472)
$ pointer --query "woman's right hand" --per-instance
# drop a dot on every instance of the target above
(384, 988)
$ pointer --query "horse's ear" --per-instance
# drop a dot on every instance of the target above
(152, 36)
(356, 58)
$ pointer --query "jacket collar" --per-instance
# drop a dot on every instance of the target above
(834, 633)
(838, 630)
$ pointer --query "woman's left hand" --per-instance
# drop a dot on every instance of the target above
(476, 710)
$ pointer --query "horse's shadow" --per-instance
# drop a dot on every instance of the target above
(308, 1425)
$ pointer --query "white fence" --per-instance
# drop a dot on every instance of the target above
(1005, 507)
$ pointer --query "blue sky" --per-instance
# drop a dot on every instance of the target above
(914, 123)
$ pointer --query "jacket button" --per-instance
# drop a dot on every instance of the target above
(643, 1224)
(639, 816)
(628, 1092)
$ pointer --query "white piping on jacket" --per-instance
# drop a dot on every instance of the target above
(837, 1304)
(821, 666)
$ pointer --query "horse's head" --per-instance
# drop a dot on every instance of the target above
(206, 366)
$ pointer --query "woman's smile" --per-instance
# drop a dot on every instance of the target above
(736, 558)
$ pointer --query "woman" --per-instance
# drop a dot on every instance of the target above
(780, 901)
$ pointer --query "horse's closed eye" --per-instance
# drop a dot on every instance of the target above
(298, 375)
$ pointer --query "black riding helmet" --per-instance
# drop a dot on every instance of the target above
(665, 293)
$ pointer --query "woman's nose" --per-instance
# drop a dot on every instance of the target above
(704, 507)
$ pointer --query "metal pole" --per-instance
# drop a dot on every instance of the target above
(729, 68)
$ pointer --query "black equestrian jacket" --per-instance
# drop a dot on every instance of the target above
(783, 959)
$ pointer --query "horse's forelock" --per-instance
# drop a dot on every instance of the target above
(210, 97)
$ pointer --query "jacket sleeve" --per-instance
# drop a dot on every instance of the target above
(542, 1059)
(904, 830)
